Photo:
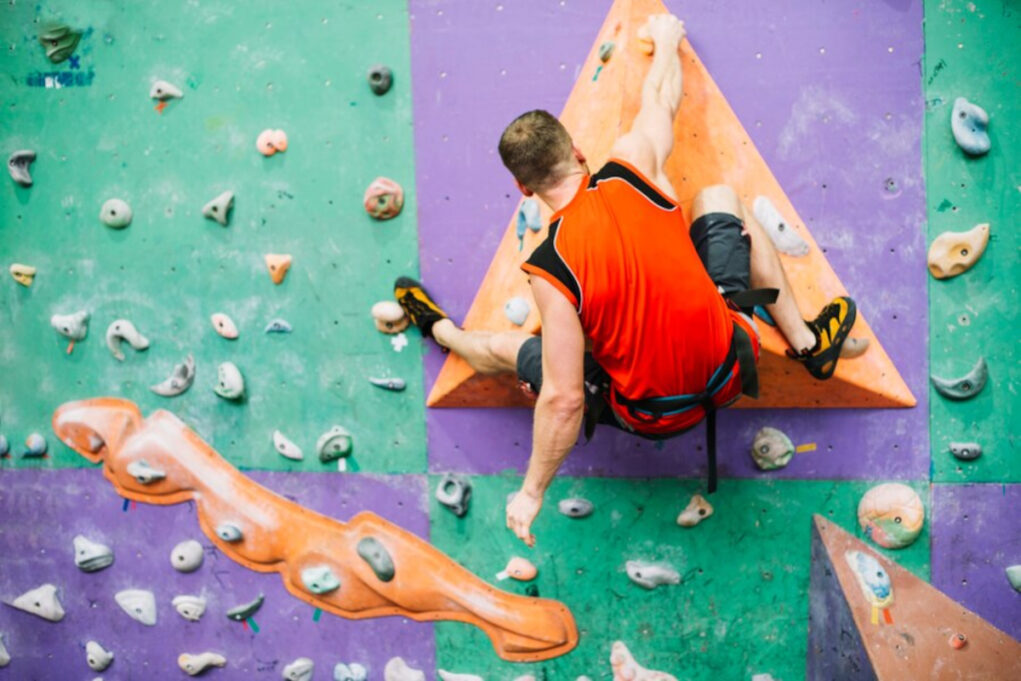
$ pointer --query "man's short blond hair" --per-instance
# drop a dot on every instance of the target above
(537, 149)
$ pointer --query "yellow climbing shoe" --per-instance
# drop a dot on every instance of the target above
(831, 329)
(421, 309)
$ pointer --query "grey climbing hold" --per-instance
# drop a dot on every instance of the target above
(651, 575)
(219, 208)
(965, 387)
(380, 79)
(193, 665)
(59, 41)
(91, 556)
(606, 51)
(529, 218)
(299, 670)
(375, 554)
(783, 236)
(115, 213)
(42, 602)
(189, 607)
(35, 446)
(162, 90)
(454, 492)
(144, 473)
(230, 384)
(771, 449)
(187, 556)
(18, 165)
(516, 310)
(139, 604)
(966, 451)
(394, 384)
(320, 579)
(285, 447)
(278, 326)
(575, 507)
(74, 326)
(180, 379)
(97, 657)
(5, 657)
(5, 446)
(969, 123)
(123, 330)
(349, 672)
(397, 669)
(229, 532)
(242, 612)
(334, 444)
(1013, 573)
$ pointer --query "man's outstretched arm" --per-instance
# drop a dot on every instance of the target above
(651, 138)
(560, 407)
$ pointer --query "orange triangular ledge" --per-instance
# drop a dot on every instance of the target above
(711, 147)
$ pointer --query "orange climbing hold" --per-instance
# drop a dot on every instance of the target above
(711, 147)
(278, 265)
(278, 535)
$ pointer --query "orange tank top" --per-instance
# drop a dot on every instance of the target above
(621, 253)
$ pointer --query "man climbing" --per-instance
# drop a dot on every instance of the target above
(664, 306)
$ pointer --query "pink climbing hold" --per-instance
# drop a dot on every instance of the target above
(271, 141)
(384, 198)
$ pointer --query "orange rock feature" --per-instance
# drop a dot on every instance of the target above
(281, 536)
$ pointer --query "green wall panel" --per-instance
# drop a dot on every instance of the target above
(975, 313)
(742, 607)
(243, 67)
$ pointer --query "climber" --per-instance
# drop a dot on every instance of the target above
(663, 305)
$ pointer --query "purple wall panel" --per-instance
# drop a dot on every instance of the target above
(975, 535)
(831, 95)
(43, 511)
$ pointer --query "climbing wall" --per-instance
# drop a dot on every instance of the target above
(848, 104)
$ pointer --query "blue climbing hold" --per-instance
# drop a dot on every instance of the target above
(968, 123)
(528, 218)
(278, 326)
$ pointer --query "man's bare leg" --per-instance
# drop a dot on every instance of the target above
(486, 352)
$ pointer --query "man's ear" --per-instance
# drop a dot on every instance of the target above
(522, 188)
(580, 157)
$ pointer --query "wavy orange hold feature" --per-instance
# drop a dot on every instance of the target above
(277, 535)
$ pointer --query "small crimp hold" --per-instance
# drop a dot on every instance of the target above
(969, 123)
(394, 384)
(242, 612)
(651, 575)
(74, 326)
(606, 51)
(144, 473)
(123, 330)
(229, 532)
(575, 507)
(966, 451)
(115, 213)
(180, 379)
(783, 236)
(35, 446)
(389, 316)
(193, 665)
(350, 672)
(162, 90)
(697, 510)
(454, 492)
(383, 198)
(271, 141)
(189, 607)
(285, 447)
(230, 384)
(97, 657)
(380, 79)
(375, 554)
(278, 264)
(965, 387)
(299, 670)
(334, 444)
(219, 208)
(23, 274)
(518, 568)
(224, 326)
(319, 579)
(18, 165)
(278, 326)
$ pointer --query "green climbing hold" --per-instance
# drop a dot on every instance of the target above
(378, 558)
(59, 40)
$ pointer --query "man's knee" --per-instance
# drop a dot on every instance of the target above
(717, 198)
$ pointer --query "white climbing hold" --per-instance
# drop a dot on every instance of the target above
(452, 676)
(299, 670)
(350, 672)
(145, 474)
(35, 445)
(398, 670)
(968, 122)
(625, 668)
(1013, 573)
(18, 164)
(23, 274)
(193, 665)
(180, 379)
(139, 604)
(230, 384)
(97, 657)
(651, 575)
(115, 213)
(285, 447)
(5, 657)
(162, 90)
(697, 510)
(278, 326)
(187, 556)
(229, 532)
(219, 208)
(91, 556)
(575, 507)
(780, 232)
(123, 330)
(74, 326)
(392, 384)
(334, 444)
(771, 449)
(389, 316)
(41, 601)
(224, 325)
(189, 607)
(516, 310)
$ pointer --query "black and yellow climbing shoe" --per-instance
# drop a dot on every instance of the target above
(831, 328)
(421, 309)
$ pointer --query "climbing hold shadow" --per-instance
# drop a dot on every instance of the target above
(965, 387)
(375, 554)
(454, 492)
(383, 199)
(180, 379)
(219, 208)
(783, 236)
(953, 253)
(18, 165)
(380, 79)
(115, 213)
(966, 451)
(969, 123)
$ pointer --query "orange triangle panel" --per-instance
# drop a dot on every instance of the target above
(869, 618)
(711, 147)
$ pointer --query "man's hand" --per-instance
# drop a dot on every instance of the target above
(521, 511)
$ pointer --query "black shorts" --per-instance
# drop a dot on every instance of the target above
(726, 254)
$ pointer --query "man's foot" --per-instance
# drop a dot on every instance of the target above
(831, 328)
(421, 309)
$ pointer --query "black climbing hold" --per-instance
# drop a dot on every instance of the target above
(380, 79)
